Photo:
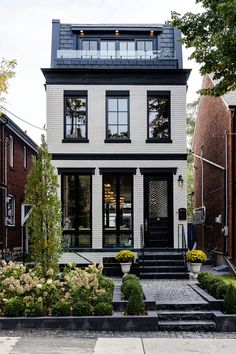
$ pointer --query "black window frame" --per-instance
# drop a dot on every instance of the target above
(117, 95)
(78, 232)
(76, 94)
(117, 231)
(159, 94)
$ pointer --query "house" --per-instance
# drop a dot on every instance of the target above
(16, 151)
(215, 172)
(116, 129)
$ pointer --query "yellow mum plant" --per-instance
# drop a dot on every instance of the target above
(196, 256)
(125, 256)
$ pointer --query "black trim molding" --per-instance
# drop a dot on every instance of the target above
(161, 170)
(118, 170)
(109, 76)
(90, 171)
(114, 140)
(75, 140)
(117, 93)
(158, 141)
(67, 156)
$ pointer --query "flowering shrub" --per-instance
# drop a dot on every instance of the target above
(125, 256)
(196, 256)
(29, 293)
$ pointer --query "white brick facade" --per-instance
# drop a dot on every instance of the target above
(138, 136)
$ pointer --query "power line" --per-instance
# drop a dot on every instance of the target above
(32, 125)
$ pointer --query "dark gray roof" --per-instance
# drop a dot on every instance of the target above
(19, 132)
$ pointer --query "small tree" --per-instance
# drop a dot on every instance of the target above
(44, 223)
(6, 73)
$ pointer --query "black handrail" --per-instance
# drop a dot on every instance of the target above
(86, 259)
(142, 243)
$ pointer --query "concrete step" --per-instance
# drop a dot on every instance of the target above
(187, 325)
(170, 315)
(163, 269)
(164, 275)
(182, 307)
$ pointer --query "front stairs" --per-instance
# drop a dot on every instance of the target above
(162, 263)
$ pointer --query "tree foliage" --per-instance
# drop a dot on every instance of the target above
(44, 222)
(6, 73)
(191, 120)
(212, 34)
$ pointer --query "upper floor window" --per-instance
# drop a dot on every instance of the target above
(89, 45)
(10, 210)
(144, 46)
(159, 116)
(11, 151)
(76, 116)
(25, 156)
(118, 117)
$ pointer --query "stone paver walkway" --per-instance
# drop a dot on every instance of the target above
(172, 291)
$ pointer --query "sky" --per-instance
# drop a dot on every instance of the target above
(25, 35)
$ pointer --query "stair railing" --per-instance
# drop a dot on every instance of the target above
(86, 259)
(182, 237)
(142, 244)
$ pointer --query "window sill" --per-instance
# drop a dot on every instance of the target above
(75, 141)
(117, 141)
(159, 141)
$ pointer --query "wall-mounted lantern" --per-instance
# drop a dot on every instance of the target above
(180, 181)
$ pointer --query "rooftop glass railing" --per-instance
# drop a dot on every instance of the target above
(116, 54)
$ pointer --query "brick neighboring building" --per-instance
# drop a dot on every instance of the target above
(16, 151)
(216, 119)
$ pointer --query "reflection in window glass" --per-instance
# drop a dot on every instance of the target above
(10, 210)
(118, 210)
(158, 115)
(117, 114)
(77, 210)
(76, 116)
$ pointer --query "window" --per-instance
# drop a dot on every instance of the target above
(11, 151)
(144, 46)
(159, 117)
(76, 117)
(25, 157)
(117, 210)
(77, 210)
(118, 118)
(127, 49)
(89, 45)
(108, 49)
(10, 210)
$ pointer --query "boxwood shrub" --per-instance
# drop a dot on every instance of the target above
(103, 309)
(82, 308)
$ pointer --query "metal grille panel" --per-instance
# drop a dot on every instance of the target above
(158, 199)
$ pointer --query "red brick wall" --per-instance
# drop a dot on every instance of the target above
(16, 180)
(212, 122)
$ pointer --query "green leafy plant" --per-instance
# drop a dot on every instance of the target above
(125, 256)
(135, 304)
(128, 277)
(34, 309)
(196, 256)
(14, 307)
(230, 299)
(82, 308)
(103, 309)
(61, 308)
(129, 286)
(44, 223)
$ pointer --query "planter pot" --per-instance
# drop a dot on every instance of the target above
(196, 267)
(125, 267)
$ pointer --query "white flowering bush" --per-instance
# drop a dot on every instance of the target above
(28, 293)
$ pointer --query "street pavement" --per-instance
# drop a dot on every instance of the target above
(114, 345)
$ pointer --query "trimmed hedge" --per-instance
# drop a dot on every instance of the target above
(132, 291)
(220, 288)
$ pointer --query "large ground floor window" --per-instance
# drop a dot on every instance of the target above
(77, 210)
(117, 210)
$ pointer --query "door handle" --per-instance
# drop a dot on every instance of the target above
(145, 225)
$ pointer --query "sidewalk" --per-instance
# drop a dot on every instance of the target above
(70, 345)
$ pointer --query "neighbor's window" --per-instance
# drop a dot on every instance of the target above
(118, 117)
(159, 117)
(25, 156)
(11, 151)
(76, 117)
(10, 210)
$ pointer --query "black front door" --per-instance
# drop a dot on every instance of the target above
(158, 210)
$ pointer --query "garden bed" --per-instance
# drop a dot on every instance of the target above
(225, 322)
